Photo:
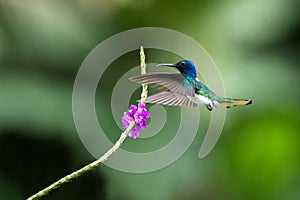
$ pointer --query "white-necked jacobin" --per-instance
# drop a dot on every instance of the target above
(184, 88)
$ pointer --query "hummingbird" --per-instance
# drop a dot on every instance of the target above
(184, 88)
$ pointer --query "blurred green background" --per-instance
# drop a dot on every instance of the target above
(254, 43)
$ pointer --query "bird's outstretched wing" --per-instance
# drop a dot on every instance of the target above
(175, 83)
(171, 99)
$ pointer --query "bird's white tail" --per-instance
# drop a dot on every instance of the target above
(228, 102)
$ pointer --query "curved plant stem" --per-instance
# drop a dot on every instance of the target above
(86, 168)
(103, 158)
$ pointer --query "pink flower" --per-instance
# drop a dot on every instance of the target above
(132, 110)
(135, 132)
(139, 115)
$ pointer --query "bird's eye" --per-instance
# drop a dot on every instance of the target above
(182, 63)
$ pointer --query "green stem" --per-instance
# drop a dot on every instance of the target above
(103, 158)
(143, 71)
(86, 168)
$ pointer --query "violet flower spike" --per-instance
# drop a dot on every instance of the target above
(139, 115)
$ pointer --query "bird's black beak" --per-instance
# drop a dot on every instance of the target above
(168, 65)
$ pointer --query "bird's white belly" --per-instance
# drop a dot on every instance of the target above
(199, 99)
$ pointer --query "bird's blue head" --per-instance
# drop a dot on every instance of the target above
(186, 67)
